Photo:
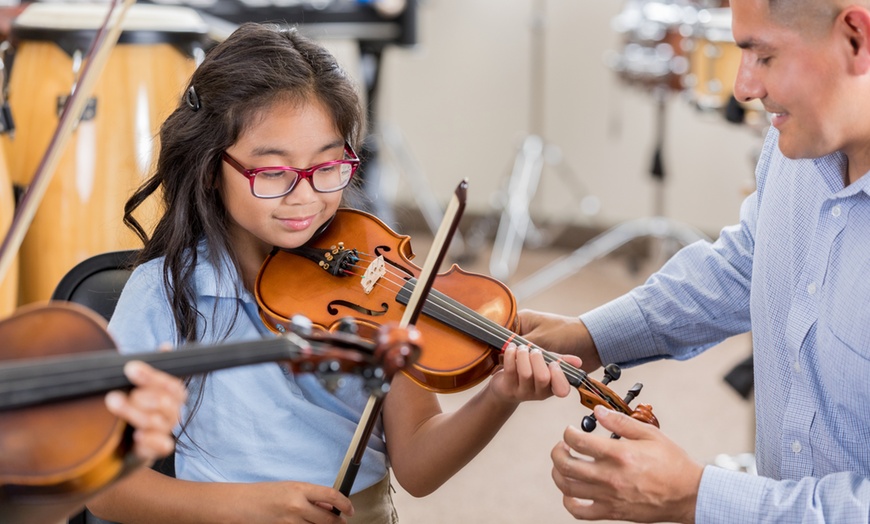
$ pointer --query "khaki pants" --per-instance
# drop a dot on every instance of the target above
(374, 505)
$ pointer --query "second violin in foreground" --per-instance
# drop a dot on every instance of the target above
(361, 269)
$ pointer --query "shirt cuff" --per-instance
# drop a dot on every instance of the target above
(621, 333)
(736, 494)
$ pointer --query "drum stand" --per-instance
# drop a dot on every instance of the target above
(657, 226)
(515, 225)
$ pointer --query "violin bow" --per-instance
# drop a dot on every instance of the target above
(96, 58)
(440, 244)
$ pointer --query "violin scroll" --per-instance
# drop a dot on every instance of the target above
(331, 355)
(594, 393)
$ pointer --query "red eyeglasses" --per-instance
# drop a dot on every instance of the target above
(277, 181)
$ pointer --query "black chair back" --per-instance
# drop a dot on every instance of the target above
(97, 283)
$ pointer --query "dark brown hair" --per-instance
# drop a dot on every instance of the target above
(239, 78)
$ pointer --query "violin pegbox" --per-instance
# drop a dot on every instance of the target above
(337, 260)
(643, 412)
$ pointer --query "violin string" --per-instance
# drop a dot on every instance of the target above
(494, 330)
(491, 328)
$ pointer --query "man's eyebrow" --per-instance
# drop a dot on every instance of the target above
(750, 44)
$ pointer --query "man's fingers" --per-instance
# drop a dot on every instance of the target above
(623, 425)
(593, 446)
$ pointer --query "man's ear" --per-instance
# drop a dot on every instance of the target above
(854, 24)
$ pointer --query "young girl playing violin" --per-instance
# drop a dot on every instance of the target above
(259, 444)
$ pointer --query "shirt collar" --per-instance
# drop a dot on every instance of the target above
(218, 278)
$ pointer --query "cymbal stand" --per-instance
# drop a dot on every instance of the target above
(515, 225)
(656, 226)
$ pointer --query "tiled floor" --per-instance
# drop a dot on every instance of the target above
(509, 482)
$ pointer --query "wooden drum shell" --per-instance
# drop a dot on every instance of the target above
(107, 156)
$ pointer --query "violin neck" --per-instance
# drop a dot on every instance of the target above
(29, 382)
(468, 321)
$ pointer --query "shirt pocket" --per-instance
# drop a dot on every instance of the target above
(844, 361)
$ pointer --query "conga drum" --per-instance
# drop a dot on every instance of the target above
(113, 147)
(9, 282)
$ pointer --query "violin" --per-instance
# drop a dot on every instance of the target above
(58, 442)
(358, 268)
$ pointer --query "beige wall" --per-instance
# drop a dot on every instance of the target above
(461, 99)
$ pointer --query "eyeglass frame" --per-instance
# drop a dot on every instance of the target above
(301, 174)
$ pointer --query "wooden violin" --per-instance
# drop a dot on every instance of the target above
(58, 442)
(359, 268)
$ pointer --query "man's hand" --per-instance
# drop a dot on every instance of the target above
(560, 334)
(643, 477)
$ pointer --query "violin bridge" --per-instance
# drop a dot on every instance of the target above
(373, 273)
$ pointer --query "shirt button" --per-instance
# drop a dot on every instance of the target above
(796, 446)
(836, 211)
(797, 366)
(811, 289)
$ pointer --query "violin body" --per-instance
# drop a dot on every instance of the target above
(358, 268)
(453, 361)
(54, 457)
(59, 444)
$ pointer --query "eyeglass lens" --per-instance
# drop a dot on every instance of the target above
(325, 179)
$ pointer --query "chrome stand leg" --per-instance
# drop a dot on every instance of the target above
(515, 219)
(601, 245)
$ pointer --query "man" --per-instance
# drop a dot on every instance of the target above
(795, 271)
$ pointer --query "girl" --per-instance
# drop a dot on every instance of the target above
(259, 444)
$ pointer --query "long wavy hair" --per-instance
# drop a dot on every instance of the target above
(256, 66)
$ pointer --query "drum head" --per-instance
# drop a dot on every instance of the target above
(73, 26)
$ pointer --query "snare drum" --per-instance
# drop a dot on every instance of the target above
(653, 52)
(114, 145)
(714, 60)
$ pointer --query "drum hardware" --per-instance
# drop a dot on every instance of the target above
(655, 43)
(88, 113)
(7, 124)
(657, 226)
(90, 110)
(513, 201)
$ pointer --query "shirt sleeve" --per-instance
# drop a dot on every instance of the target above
(699, 298)
(749, 499)
(142, 320)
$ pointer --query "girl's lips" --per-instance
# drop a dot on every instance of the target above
(297, 224)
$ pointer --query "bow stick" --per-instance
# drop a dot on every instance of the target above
(440, 244)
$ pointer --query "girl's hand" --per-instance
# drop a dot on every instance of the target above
(152, 407)
(290, 502)
(526, 376)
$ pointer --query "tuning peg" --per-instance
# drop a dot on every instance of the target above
(588, 423)
(633, 393)
(611, 372)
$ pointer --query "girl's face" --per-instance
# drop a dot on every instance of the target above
(300, 135)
